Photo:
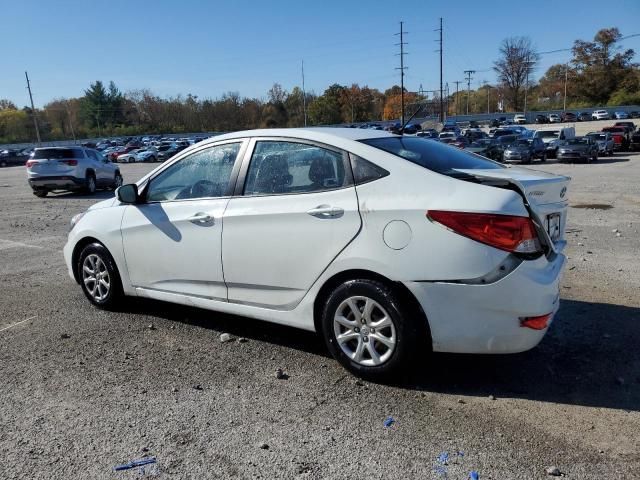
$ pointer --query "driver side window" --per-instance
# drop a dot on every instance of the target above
(204, 174)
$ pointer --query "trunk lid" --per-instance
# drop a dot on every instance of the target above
(545, 196)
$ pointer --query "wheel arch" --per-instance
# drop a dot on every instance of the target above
(90, 171)
(77, 249)
(404, 294)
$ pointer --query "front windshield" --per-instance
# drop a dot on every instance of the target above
(548, 134)
(597, 136)
(577, 141)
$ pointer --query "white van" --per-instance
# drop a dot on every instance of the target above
(552, 137)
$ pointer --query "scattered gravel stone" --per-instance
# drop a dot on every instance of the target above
(264, 446)
(461, 401)
(280, 375)
(589, 252)
(174, 389)
(553, 471)
(580, 244)
(618, 234)
(151, 326)
(242, 340)
(64, 336)
(491, 397)
(198, 387)
(225, 337)
(615, 230)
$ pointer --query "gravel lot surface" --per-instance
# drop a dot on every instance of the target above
(84, 390)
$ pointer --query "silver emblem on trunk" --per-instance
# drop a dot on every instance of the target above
(563, 192)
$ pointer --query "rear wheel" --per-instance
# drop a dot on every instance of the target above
(99, 277)
(367, 330)
(40, 193)
(544, 157)
(3, 163)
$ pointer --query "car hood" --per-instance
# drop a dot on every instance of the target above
(574, 148)
(104, 204)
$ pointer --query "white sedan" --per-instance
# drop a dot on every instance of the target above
(600, 115)
(149, 154)
(381, 243)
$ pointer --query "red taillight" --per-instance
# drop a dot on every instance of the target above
(71, 163)
(31, 163)
(536, 323)
(506, 232)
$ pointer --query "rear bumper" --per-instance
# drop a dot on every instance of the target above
(468, 318)
(57, 182)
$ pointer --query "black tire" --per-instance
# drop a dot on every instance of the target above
(544, 157)
(406, 327)
(113, 296)
(153, 160)
(3, 163)
(117, 180)
(90, 186)
(40, 193)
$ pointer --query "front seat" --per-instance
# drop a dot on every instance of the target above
(273, 175)
(322, 174)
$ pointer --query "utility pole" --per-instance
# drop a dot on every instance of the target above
(468, 73)
(304, 97)
(33, 109)
(441, 99)
(447, 94)
(457, 82)
(70, 121)
(488, 93)
(566, 75)
(402, 68)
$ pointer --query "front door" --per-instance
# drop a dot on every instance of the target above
(172, 241)
(298, 210)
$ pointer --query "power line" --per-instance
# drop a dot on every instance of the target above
(402, 68)
(457, 82)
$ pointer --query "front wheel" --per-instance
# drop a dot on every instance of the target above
(366, 329)
(544, 157)
(117, 181)
(40, 193)
(91, 184)
(99, 277)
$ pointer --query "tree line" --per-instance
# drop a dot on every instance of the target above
(599, 73)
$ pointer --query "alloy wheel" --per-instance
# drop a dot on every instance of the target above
(364, 331)
(95, 276)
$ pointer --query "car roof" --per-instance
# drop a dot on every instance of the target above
(319, 134)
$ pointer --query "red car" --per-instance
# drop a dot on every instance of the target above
(620, 137)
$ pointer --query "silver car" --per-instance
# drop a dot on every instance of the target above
(604, 140)
(70, 168)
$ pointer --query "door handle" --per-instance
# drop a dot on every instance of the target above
(326, 211)
(201, 218)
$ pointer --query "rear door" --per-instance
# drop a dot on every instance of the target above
(297, 210)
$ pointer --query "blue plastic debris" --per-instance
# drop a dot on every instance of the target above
(441, 471)
(474, 476)
(389, 421)
(460, 454)
(443, 458)
(135, 463)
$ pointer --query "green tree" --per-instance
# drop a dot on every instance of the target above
(327, 108)
(601, 66)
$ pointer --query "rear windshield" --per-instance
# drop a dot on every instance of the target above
(432, 155)
(54, 153)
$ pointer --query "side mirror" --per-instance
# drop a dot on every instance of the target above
(128, 193)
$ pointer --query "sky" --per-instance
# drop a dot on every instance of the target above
(207, 48)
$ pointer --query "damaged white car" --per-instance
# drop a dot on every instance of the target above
(381, 243)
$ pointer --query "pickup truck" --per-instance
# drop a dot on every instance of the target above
(621, 137)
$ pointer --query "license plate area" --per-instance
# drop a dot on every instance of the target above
(553, 226)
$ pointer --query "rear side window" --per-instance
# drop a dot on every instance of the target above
(432, 155)
(281, 167)
(365, 171)
(55, 153)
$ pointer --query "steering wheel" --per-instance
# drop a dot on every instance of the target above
(202, 188)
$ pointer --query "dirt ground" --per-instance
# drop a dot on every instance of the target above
(83, 390)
